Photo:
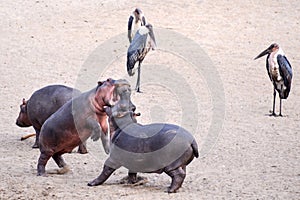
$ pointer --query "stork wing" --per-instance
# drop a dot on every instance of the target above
(138, 42)
(135, 49)
(152, 38)
(286, 72)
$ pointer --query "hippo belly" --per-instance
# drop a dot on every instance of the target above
(59, 133)
(149, 148)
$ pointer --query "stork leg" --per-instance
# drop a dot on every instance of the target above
(280, 104)
(280, 108)
(137, 88)
(274, 98)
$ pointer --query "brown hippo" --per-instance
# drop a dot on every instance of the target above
(41, 105)
(75, 122)
(153, 148)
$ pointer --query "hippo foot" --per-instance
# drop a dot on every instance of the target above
(139, 180)
(107, 171)
(170, 190)
(94, 183)
(178, 176)
(82, 150)
(43, 174)
(62, 170)
(35, 146)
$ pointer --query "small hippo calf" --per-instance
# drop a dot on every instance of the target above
(74, 122)
(41, 105)
(153, 148)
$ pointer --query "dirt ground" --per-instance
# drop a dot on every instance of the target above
(253, 156)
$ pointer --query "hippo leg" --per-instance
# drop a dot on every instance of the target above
(132, 178)
(106, 172)
(43, 159)
(82, 148)
(94, 126)
(105, 136)
(61, 164)
(177, 176)
(36, 143)
(96, 133)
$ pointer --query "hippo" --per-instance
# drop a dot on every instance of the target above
(77, 120)
(123, 101)
(152, 148)
(41, 105)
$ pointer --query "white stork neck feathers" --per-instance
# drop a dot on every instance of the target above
(143, 30)
(273, 64)
(137, 22)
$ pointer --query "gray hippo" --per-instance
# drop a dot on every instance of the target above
(153, 148)
(41, 105)
(74, 122)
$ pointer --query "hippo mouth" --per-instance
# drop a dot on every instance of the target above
(119, 84)
(121, 99)
(21, 124)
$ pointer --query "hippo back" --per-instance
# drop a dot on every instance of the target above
(148, 148)
(45, 101)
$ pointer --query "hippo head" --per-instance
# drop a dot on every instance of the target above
(105, 93)
(122, 94)
(123, 112)
(23, 119)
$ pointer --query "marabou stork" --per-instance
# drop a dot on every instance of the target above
(280, 72)
(141, 44)
(135, 21)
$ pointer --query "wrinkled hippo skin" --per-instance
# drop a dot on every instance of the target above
(74, 122)
(41, 105)
(153, 148)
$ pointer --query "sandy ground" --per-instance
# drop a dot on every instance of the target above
(254, 156)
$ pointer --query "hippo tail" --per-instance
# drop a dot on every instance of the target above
(195, 148)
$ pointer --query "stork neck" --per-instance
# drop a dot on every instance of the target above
(278, 51)
(273, 65)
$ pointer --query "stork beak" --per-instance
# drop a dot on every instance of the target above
(152, 37)
(265, 52)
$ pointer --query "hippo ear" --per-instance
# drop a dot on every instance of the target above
(24, 101)
(100, 83)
